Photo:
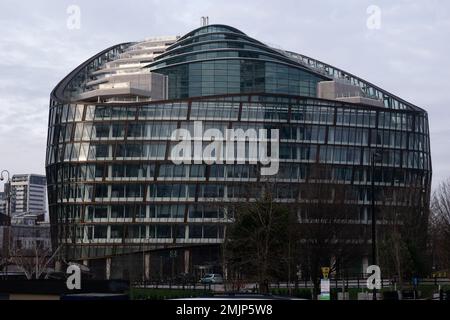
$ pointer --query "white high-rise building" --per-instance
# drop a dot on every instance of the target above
(28, 194)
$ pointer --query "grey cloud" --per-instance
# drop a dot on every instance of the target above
(407, 56)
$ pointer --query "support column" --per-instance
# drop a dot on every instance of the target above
(147, 266)
(187, 258)
(108, 268)
(365, 264)
(225, 272)
(58, 266)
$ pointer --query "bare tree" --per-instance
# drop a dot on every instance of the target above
(256, 242)
(3, 246)
(402, 232)
(329, 233)
(395, 259)
(315, 227)
(33, 262)
(440, 226)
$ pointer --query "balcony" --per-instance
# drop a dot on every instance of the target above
(345, 91)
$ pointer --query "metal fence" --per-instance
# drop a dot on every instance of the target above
(244, 286)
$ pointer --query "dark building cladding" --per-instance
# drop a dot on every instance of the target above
(117, 201)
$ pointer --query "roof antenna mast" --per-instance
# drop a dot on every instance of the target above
(204, 21)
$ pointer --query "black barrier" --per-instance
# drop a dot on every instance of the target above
(59, 287)
(390, 295)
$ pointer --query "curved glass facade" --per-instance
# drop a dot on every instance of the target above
(114, 189)
(221, 60)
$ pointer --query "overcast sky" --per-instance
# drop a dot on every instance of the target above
(408, 55)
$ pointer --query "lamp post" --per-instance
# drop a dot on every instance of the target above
(8, 213)
(376, 157)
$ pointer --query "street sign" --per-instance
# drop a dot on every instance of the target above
(325, 272)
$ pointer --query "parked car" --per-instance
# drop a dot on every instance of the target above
(212, 278)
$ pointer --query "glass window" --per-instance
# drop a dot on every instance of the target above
(117, 232)
(210, 231)
(100, 232)
(117, 212)
(137, 231)
(179, 231)
(195, 231)
(163, 231)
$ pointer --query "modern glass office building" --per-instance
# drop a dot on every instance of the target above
(119, 204)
